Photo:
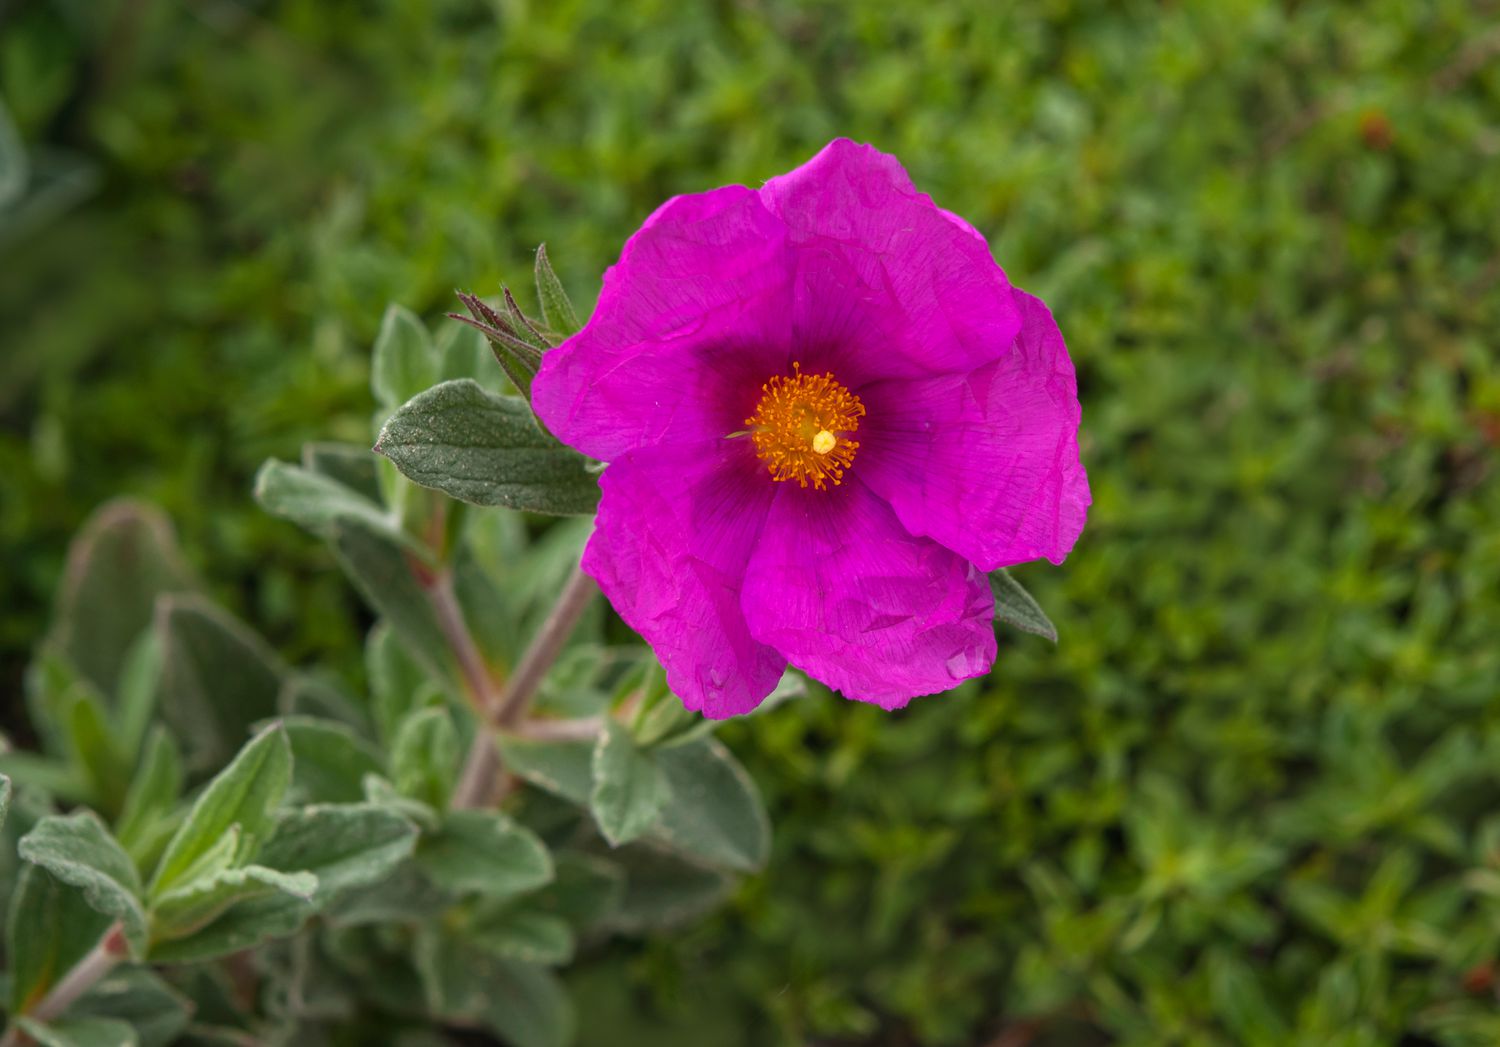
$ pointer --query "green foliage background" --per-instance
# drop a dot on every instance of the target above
(1247, 799)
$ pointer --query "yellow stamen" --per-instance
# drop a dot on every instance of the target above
(801, 428)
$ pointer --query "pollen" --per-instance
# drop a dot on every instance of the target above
(802, 428)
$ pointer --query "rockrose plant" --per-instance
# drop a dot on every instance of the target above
(808, 424)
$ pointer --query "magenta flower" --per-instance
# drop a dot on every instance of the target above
(826, 414)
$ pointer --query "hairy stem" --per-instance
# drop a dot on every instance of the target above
(477, 678)
(483, 762)
(96, 963)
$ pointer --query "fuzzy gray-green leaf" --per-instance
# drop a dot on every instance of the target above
(487, 450)
(424, 756)
(715, 814)
(557, 310)
(1015, 606)
(50, 928)
(194, 905)
(79, 851)
(125, 557)
(516, 933)
(80, 1032)
(629, 788)
(157, 1012)
(404, 360)
(344, 845)
(244, 795)
(484, 852)
(382, 571)
(314, 501)
(218, 678)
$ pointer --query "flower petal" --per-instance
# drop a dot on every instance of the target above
(689, 323)
(675, 529)
(985, 463)
(888, 284)
(849, 597)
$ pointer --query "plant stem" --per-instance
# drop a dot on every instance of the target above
(483, 762)
(98, 962)
(450, 617)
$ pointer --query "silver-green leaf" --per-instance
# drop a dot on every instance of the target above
(484, 852)
(344, 845)
(629, 788)
(715, 814)
(1015, 606)
(404, 361)
(557, 310)
(78, 850)
(244, 796)
(486, 449)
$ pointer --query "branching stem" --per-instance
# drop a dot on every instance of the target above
(483, 762)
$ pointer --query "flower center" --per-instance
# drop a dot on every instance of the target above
(801, 428)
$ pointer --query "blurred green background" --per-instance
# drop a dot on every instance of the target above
(1251, 797)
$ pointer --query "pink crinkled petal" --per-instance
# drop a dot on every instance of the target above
(675, 529)
(689, 323)
(888, 284)
(840, 588)
(985, 463)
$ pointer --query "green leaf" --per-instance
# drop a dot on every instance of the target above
(404, 897)
(49, 929)
(244, 795)
(151, 799)
(218, 678)
(486, 449)
(424, 756)
(525, 935)
(715, 814)
(1015, 606)
(353, 466)
(136, 693)
(629, 789)
(79, 851)
(15, 167)
(383, 574)
(329, 761)
(5, 791)
(523, 1004)
(81, 1032)
(95, 748)
(585, 889)
(527, 1006)
(380, 792)
(661, 891)
(246, 924)
(122, 560)
(404, 361)
(562, 768)
(344, 845)
(466, 354)
(557, 310)
(195, 904)
(54, 777)
(315, 501)
(157, 1012)
(484, 852)
(317, 696)
(53, 685)
(398, 684)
